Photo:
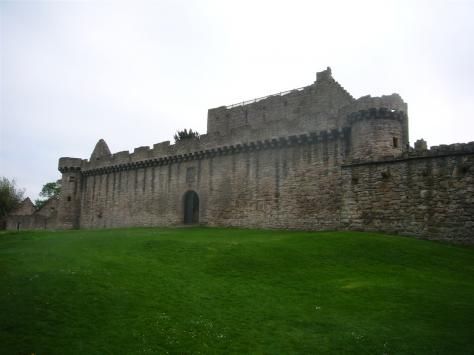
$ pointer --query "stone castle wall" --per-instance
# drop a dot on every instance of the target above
(300, 182)
(310, 109)
(313, 158)
(323, 106)
(287, 183)
(428, 194)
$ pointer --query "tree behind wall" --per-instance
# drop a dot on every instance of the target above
(10, 198)
(49, 190)
(185, 134)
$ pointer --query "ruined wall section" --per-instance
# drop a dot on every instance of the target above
(30, 218)
(286, 183)
(392, 102)
(25, 208)
(428, 193)
(34, 221)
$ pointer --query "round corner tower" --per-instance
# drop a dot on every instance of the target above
(70, 197)
(378, 133)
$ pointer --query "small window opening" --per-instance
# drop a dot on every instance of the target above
(395, 142)
(72, 178)
(69, 198)
(461, 170)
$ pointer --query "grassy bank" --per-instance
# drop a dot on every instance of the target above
(199, 290)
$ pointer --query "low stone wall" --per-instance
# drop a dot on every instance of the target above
(430, 196)
(35, 221)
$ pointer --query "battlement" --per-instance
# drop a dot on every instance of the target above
(144, 156)
(438, 151)
(324, 106)
(67, 164)
(443, 149)
(391, 102)
(377, 113)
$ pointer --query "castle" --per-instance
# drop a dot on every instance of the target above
(312, 158)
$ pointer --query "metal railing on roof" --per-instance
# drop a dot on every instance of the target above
(243, 103)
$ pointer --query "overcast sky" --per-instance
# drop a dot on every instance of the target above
(135, 72)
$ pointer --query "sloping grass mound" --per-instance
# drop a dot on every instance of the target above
(199, 290)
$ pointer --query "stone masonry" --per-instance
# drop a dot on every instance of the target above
(312, 158)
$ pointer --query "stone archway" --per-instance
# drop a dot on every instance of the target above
(191, 207)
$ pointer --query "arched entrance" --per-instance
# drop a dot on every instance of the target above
(191, 207)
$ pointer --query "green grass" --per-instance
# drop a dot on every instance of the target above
(199, 290)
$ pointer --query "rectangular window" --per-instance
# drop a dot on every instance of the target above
(395, 142)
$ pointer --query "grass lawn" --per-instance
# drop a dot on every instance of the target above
(203, 290)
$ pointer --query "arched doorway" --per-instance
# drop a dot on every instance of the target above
(191, 207)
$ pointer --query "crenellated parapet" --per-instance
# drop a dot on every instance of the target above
(438, 151)
(159, 150)
(378, 126)
(67, 164)
(377, 113)
(131, 161)
(391, 102)
(421, 150)
(384, 105)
